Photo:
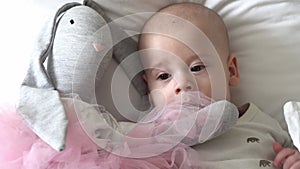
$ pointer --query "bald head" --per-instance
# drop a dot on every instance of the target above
(176, 20)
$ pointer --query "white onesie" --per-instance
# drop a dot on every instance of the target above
(248, 145)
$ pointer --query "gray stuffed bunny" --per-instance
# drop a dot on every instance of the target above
(76, 46)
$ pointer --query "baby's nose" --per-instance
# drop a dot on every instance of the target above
(184, 86)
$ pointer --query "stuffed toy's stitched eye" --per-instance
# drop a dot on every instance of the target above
(72, 21)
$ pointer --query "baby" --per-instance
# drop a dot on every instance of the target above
(185, 48)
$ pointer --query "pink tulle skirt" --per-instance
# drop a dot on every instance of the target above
(20, 148)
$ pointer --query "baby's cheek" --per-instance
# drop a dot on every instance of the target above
(158, 97)
(204, 86)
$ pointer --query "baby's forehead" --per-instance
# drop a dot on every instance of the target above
(161, 50)
(162, 44)
(176, 32)
(168, 54)
(198, 27)
(173, 26)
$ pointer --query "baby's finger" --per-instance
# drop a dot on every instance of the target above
(277, 147)
(292, 161)
(282, 155)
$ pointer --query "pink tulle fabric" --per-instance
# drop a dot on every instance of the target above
(192, 119)
(20, 148)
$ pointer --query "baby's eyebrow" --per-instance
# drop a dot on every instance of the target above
(156, 65)
(153, 71)
(191, 58)
(201, 56)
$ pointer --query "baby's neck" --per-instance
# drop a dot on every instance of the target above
(243, 109)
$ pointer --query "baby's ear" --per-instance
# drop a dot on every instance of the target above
(234, 76)
(145, 77)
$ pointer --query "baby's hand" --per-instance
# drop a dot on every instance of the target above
(286, 158)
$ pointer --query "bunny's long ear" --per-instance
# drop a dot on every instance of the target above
(39, 103)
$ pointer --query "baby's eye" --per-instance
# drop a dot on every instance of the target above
(164, 76)
(197, 68)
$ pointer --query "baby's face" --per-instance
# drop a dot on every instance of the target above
(171, 68)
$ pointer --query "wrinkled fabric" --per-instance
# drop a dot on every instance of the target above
(22, 148)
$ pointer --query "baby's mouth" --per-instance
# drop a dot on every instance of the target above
(191, 98)
(179, 106)
(183, 105)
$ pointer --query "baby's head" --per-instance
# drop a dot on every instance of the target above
(184, 47)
